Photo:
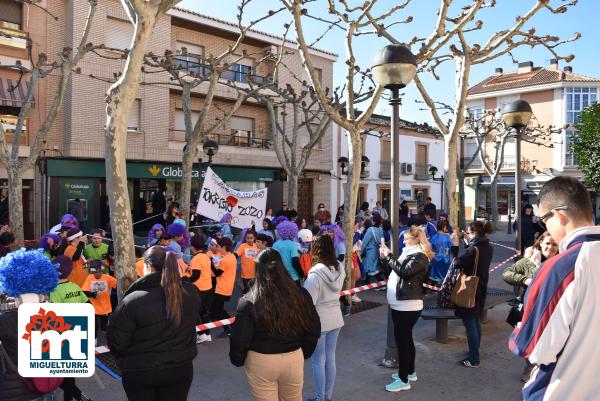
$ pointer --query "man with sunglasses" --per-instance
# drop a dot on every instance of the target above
(561, 321)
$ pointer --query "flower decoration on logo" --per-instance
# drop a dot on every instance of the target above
(44, 321)
(231, 201)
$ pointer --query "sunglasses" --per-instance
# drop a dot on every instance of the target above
(550, 213)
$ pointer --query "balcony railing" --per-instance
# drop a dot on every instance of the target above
(422, 171)
(195, 67)
(508, 162)
(13, 38)
(9, 123)
(385, 169)
(476, 164)
(231, 139)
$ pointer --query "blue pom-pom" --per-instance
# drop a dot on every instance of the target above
(23, 272)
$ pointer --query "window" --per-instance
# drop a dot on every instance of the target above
(189, 57)
(11, 13)
(119, 33)
(180, 121)
(576, 99)
(509, 160)
(133, 119)
(238, 72)
(242, 130)
(470, 150)
(476, 114)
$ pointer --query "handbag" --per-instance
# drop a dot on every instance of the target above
(515, 314)
(40, 385)
(443, 297)
(464, 293)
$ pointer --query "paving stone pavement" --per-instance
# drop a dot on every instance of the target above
(360, 349)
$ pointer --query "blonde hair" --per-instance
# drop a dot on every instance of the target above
(419, 233)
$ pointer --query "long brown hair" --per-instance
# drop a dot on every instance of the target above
(323, 251)
(165, 262)
(279, 306)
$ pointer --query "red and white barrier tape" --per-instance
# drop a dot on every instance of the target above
(363, 288)
(214, 325)
(431, 287)
(504, 262)
(504, 246)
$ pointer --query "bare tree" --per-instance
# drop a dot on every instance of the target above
(41, 68)
(356, 21)
(491, 136)
(143, 14)
(294, 146)
(465, 55)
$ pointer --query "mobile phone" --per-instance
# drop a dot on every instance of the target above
(382, 241)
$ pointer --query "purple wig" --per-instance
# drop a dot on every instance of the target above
(154, 229)
(67, 219)
(287, 230)
(277, 220)
(177, 229)
(226, 217)
(45, 245)
(338, 234)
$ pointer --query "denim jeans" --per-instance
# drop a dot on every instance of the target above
(473, 328)
(323, 364)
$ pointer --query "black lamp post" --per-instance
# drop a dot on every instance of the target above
(210, 148)
(517, 115)
(433, 171)
(394, 67)
(343, 163)
(364, 163)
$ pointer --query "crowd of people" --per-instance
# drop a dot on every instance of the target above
(289, 272)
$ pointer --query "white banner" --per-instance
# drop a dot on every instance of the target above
(217, 199)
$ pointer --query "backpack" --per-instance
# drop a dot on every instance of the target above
(306, 263)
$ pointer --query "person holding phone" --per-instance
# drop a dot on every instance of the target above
(405, 297)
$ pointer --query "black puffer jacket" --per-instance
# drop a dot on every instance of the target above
(412, 273)
(466, 262)
(141, 336)
(12, 387)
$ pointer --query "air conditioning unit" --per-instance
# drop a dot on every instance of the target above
(407, 168)
(471, 181)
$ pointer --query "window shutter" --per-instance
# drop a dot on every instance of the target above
(133, 119)
(119, 33)
(191, 49)
(180, 121)
(242, 123)
(11, 11)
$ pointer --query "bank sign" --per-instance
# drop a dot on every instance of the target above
(56, 340)
(172, 172)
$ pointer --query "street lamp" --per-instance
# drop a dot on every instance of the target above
(393, 68)
(433, 171)
(343, 163)
(210, 148)
(364, 163)
(517, 115)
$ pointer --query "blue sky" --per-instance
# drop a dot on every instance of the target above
(582, 18)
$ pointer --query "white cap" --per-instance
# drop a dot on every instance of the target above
(305, 235)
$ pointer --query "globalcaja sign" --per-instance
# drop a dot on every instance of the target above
(56, 340)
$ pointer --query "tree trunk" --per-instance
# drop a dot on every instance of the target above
(351, 198)
(450, 166)
(15, 204)
(461, 198)
(292, 181)
(187, 168)
(119, 99)
(494, 197)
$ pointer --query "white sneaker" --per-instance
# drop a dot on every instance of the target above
(356, 299)
(202, 338)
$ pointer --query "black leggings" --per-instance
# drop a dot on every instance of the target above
(217, 311)
(206, 298)
(170, 384)
(404, 321)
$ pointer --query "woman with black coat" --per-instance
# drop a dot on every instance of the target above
(276, 328)
(471, 317)
(153, 331)
(405, 297)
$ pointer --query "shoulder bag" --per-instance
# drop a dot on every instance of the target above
(464, 293)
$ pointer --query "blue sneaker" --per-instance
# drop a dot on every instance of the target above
(397, 385)
(411, 378)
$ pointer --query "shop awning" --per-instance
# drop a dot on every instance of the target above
(502, 181)
(13, 92)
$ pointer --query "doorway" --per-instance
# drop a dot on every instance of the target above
(305, 198)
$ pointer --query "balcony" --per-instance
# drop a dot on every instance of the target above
(422, 172)
(9, 123)
(243, 139)
(237, 73)
(508, 162)
(385, 169)
(13, 38)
